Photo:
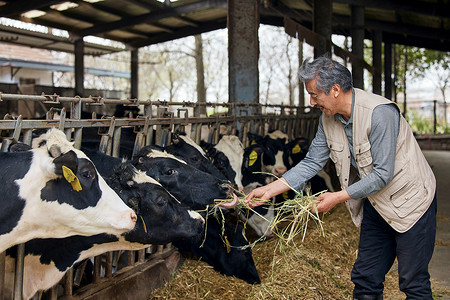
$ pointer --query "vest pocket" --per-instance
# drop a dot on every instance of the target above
(336, 150)
(405, 193)
(363, 155)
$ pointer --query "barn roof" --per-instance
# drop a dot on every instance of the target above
(137, 23)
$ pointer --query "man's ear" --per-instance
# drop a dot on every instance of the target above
(336, 90)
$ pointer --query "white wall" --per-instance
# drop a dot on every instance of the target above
(42, 77)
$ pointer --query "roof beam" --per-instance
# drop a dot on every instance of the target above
(151, 17)
(417, 42)
(340, 21)
(420, 7)
(18, 7)
(186, 31)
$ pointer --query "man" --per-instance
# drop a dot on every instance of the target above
(387, 184)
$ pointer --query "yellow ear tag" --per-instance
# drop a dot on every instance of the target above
(71, 178)
(252, 158)
(285, 195)
(296, 149)
(227, 244)
(253, 142)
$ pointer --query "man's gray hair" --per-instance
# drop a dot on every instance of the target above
(327, 73)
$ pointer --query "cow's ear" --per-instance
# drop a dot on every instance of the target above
(69, 160)
(19, 147)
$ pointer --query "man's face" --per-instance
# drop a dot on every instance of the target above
(319, 99)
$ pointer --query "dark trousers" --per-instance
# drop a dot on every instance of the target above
(379, 245)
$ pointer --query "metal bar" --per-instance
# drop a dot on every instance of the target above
(18, 278)
(54, 293)
(2, 274)
(68, 283)
(97, 269)
(108, 268)
(130, 258)
(141, 255)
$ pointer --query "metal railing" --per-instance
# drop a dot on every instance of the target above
(155, 126)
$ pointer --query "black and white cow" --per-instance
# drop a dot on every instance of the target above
(255, 160)
(227, 156)
(54, 190)
(274, 142)
(295, 151)
(184, 147)
(161, 219)
(253, 176)
(194, 188)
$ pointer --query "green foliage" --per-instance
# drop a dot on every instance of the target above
(419, 124)
(422, 125)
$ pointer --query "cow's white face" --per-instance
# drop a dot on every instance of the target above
(232, 147)
(279, 168)
(63, 195)
(96, 209)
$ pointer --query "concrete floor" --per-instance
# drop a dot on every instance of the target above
(440, 263)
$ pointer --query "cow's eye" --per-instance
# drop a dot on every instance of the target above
(171, 172)
(194, 159)
(161, 201)
(87, 174)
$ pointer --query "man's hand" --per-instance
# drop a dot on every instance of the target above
(264, 193)
(261, 193)
(330, 200)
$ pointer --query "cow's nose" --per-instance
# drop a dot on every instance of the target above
(280, 171)
(133, 216)
(225, 187)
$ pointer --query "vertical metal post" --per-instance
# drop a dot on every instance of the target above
(18, 278)
(243, 51)
(97, 269)
(134, 81)
(388, 70)
(322, 21)
(2, 274)
(358, 45)
(68, 281)
(79, 67)
(108, 268)
(75, 113)
(377, 64)
(434, 116)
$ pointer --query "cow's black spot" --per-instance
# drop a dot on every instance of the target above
(62, 252)
(61, 190)
(13, 166)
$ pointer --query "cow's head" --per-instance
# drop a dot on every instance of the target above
(232, 147)
(220, 161)
(191, 186)
(184, 147)
(73, 191)
(275, 143)
(252, 165)
(295, 151)
(161, 217)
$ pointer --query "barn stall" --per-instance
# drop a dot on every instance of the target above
(147, 269)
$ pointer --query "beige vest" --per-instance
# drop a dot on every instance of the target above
(407, 197)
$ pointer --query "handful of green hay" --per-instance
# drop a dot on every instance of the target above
(291, 217)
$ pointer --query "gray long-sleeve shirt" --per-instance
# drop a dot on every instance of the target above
(383, 140)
